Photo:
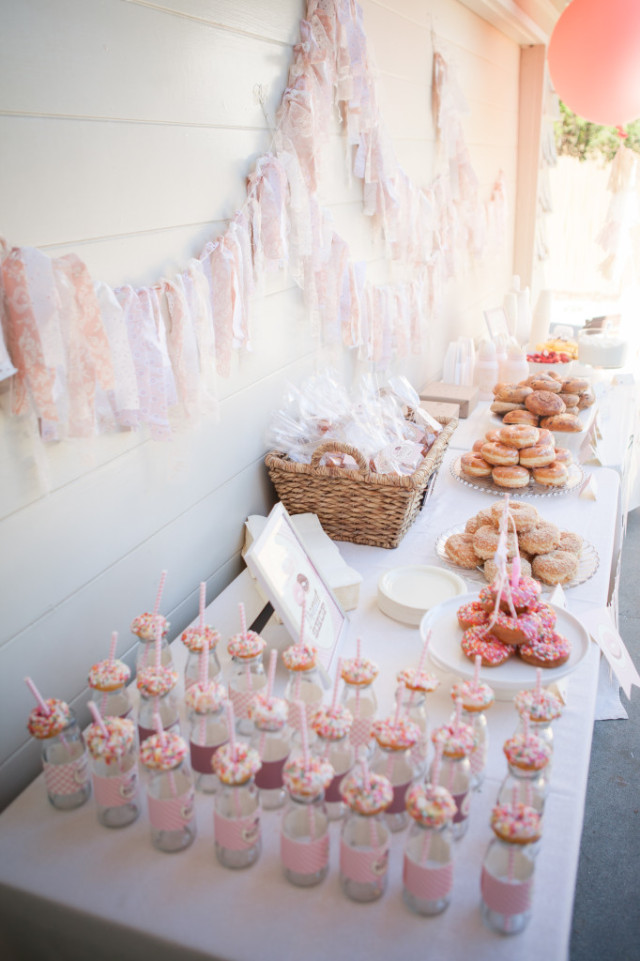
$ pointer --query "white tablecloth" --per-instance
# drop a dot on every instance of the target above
(72, 889)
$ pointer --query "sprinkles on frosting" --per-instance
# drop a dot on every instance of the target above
(358, 671)
(156, 681)
(370, 796)
(395, 735)
(163, 752)
(475, 695)
(524, 594)
(546, 614)
(205, 698)
(235, 764)
(109, 675)
(457, 740)
(43, 725)
(307, 780)
(268, 713)
(246, 645)
(415, 680)
(430, 805)
(332, 723)
(517, 823)
(548, 647)
(541, 708)
(145, 626)
(527, 753)
(472, 614)
(195, 640)
(527, 624)
(117, 742)
(300, 657)
(477, 640)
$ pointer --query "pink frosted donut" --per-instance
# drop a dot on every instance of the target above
(472, 614)
(523, 629)
(477, 640)
(516, 823)
(549, 650)
(546, 614)
(529, 753)
(523, 595)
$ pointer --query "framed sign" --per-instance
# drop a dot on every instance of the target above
(497, 323)
(290, 579)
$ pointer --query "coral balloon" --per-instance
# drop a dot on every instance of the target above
(594, 60)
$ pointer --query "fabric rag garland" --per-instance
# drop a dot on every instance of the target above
(89, 358)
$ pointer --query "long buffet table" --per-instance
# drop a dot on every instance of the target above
(71, 889)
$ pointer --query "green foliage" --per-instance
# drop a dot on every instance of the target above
(580, 138)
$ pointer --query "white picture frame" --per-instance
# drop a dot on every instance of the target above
(497, 323)
(280, 563)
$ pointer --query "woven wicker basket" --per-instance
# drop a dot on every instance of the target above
(357, 505)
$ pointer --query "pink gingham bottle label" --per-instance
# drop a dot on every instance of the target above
(366, 867)
(201, 757)
(269, 777)
(463, 803)
(69, 778)
(113, 792)
(171, 814)
(398, 805)
(505, 897)
(304, 857)
(360, 731)
(236, 834)
(241, 701)
(426, 883)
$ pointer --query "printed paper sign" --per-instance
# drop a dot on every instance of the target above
(600, 625)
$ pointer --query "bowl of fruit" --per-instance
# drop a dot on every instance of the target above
(554, 355)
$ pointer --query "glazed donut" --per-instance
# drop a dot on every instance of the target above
(540, 539)
(546, 383)
(564, 456)
(538, 456)
(554, 474)
(490, 569)
(477, 446)
(570, 400)
(513, 393)
(546, 437)
(549, 650)
(570, 542)
(474, 465)
(459, 550)
(503, 407)
(575, 385)
(511, 477)
(484, 516)
(520, 417)
(556, 567)
(476, 640)
(472, 614)
(485, 542)
(544, 403)
(568, 423)
(519, 435)
(523, 629)
(499, 454)
(521, 516)
(492, 436)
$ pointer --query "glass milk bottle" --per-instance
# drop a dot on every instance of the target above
(359, 697)
(64, 757)
(108, 681)
(476, 697)
(527, 758)
(415, 684)
(542, 707)
(236, 807)
(112, 745)
(272, 740)
(427, 872)
(195, 641)
(304, 832)
(396, 737)
(205, 702)
(303, 682)
(331, 725)
(247, 676)
(456, 741)
(507, 872)
(364, 841)
(170, 791)
(145, 627)
(157, 696)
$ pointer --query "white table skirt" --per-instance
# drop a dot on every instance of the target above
(73, 889)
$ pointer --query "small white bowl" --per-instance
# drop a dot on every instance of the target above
(562, 369)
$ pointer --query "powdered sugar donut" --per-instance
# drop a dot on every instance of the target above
(556, 567)
(540, 539)
(459, 550)
(485, 542)
(484, 516)
(521, 516)
(490, 568)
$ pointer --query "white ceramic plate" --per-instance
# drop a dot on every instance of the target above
(406, 593)
(587, 566)
(576, 476)
(514, 675)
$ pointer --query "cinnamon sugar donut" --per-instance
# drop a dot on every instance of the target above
(522, 516)
(544, 403)
(519, 435)
(490, 569)
(472, 614)
(521, 417)
(555, 567)
(537, 456)
(549, 650)
(499, 454)
(565, 423)
(485, 542)
(511, 477)
(523, 629)
(540, 539)
(459, 550)
(476, 640)
(474, 465)
(554, 474)
(570, 542)
(485, 516)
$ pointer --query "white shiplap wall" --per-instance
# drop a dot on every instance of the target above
(126, 132)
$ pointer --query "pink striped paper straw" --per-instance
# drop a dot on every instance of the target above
(358, 650)
(243, 620)
(203, 662)
(38, 696)
(156, 606)
(334, 696)
(423, 652)
(158, 647)
(303, 732)
(97, 717)
(160, 731)
(303, 610)
(112, 646)
(271, 673)
(203, 593)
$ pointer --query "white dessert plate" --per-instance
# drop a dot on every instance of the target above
(508, 678)
(407, 593)
(588, 562)
(576, 476)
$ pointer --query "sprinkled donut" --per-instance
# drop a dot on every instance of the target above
(246, 645)
(307, 780)
(162, 752)
(117, 742)
(546, 614)
(395, 735)
(415, 680)
(472, 614)
(300, 657)
(366, 796)
(523, 629)
(332, 723)
(205, 698)
(527, 752)
(430, 805)
(235, 764)
(476, 640)
(268, 713)
(145, 626)
(156, 681)
(109, 675)
(194, 639)
(42, 726)
(549, 650)
(456, 740)
(516, 823)
(541, 708)
(523, 594)
(358, 671)
(475, 695)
